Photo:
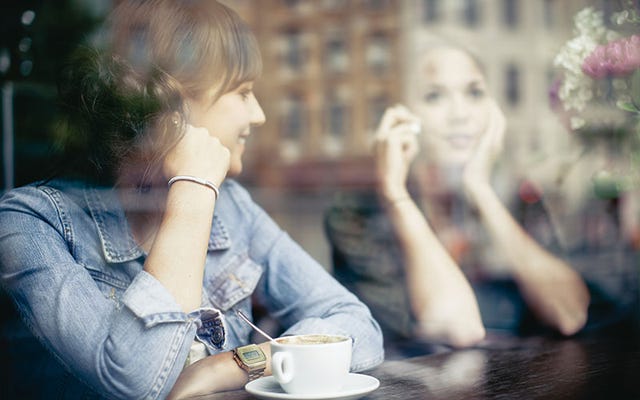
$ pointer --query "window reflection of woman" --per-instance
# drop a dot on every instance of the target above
(441, 247)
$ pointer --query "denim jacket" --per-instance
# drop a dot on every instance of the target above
(69, 261)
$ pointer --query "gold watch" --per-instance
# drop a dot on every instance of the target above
(252, 359)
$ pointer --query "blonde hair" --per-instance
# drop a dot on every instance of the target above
(424, 44)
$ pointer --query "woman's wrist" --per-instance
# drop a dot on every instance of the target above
(389, 193)
(195, 180)
(190, 199)
(476, 191)
(392, 202)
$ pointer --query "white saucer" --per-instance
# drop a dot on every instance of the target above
(357, 386)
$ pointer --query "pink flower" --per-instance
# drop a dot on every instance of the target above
(617, 58)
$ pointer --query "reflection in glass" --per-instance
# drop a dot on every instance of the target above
(334, 5)
(548, 13)
(337, 115)
(513, 84)
(430, 11)
(376, 5)
(337, 56)
(293, 122)
(294, 49)
(471, 13)
(378, 54)
(511, 11)
(376, 108)
(293, 116)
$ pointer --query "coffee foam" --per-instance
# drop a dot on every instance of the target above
(311, 339)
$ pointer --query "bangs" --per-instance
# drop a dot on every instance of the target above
(204, 44)
(240, 58)
(245, 61)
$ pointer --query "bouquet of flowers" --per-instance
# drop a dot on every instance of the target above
(600, 88)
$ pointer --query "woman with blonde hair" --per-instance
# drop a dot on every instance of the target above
(438, 252)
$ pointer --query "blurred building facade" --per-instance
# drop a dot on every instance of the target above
(333, 66)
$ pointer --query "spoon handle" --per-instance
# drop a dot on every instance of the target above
(260, 331)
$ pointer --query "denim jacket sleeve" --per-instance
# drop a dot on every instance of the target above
(130, 347)
(302, 295)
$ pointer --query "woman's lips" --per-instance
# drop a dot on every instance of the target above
(460, 141)
(243, 138)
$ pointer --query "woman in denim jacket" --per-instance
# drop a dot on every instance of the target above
(119, 274)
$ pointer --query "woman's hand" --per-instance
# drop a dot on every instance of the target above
(395, 147)
(477, 171)
(199, 154)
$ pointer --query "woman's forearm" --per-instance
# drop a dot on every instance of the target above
(178, 253)
(216, 373)
(552, 289)
(440, 295)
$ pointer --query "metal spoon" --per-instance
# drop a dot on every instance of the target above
(260, 331)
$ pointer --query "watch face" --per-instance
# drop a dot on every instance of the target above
(252, 355)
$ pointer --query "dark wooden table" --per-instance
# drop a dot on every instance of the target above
(530, 368)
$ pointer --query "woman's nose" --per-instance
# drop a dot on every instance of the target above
(257, 114)
(458, 109)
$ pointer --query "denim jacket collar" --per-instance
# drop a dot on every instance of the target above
(117, 240)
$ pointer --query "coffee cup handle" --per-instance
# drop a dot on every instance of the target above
(282, 367)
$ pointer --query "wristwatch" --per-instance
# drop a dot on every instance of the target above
(251, 358)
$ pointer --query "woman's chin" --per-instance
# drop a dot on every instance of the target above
(235, 168)
(457, 158)
(234, 171)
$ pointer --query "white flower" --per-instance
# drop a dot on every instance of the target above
(577, 122)
(577, 88)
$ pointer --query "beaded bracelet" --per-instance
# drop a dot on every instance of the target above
(197, 180)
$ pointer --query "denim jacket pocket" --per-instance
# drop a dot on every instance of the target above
(237, 280)
(111, 286)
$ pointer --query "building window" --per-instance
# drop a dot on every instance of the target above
(337, 115)
(551, 76)
(548, 13)
(294, 50)
(292, 4)
(336, 52)
(511, 14)
(471, 13)
(430, 11)
(378, 52)
(334, 5)
(376, 5)
(294, 116)
(377, 106)
(513, 84)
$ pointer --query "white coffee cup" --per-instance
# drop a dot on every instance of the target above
(311, 364)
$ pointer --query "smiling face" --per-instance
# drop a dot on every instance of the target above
(453, 104)
(230, 119)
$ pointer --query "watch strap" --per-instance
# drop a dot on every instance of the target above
(254, 371)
